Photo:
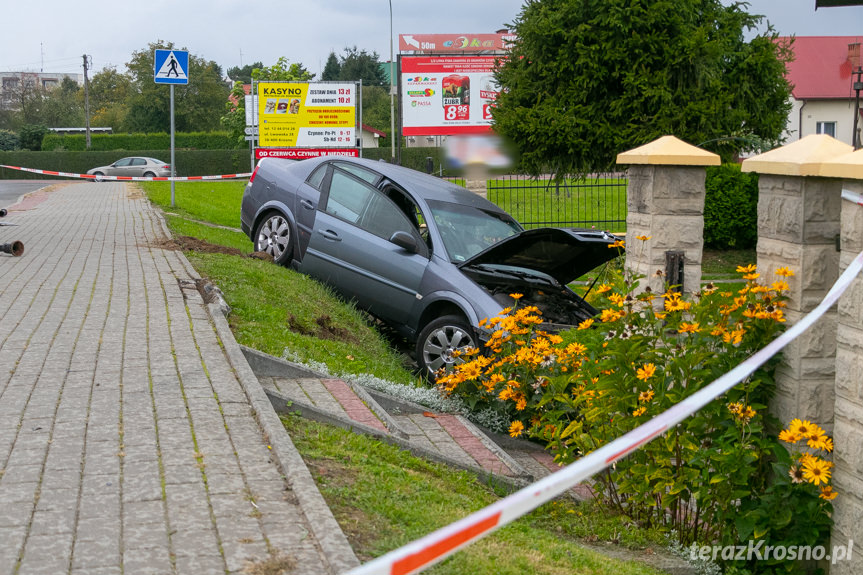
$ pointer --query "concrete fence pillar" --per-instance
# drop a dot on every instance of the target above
(665, 200)
(798, 227)
(848, 425)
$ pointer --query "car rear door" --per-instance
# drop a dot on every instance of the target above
(351, 247)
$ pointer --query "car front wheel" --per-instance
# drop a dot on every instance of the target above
(98, 177)
(273, 236)
(441, 342)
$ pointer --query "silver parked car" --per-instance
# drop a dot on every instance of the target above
(135, 167)
(423, 255)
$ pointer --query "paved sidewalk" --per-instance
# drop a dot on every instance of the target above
(131, 440)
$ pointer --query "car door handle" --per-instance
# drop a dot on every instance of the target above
(330, 235)
(307, 204)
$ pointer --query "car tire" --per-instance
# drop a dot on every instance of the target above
(439, 339)
(149, 175)
(98, 177)
(273, 236)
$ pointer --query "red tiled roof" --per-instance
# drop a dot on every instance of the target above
(820, 68)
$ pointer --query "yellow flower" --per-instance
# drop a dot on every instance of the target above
(827, 493)
(516, 429)
(645, 396)
(603, 288)
(643, 238)
(585, 324)
(789, 436)
(688, 327)
(802, 428)
(816, 471)
(617, 244)
(779, 286)
(516, 295)
(639, 411)
(752, 276)
(784, 272)
(746, 269)
(646, 372)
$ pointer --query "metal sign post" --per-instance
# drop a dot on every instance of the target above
(171, 67)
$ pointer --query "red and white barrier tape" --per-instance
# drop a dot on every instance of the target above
(129, 178)
(436, 546)
(852, 197)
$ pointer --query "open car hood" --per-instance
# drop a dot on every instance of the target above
(562, 253)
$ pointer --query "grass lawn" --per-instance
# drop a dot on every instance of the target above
(384, 498)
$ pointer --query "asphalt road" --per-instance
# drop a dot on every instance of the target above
(11, 190)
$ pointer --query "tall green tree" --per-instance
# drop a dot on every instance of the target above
(197, 105)
(63, 105)
(109, 90)
(360, 65)
(587, 79)
(234, 118)
(332, 68)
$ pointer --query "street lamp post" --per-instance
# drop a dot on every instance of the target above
(392, 94)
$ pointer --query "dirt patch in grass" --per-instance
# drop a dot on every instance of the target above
(275, 565)
(188, 243)
(323, 329)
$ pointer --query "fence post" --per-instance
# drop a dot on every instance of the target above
(848, 425)
(665, 200)
(798, 220)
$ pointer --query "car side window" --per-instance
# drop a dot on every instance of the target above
(348, 197)
(139, 162)
(360, 172)
(124, 162)
(317, 177)
(366, 207)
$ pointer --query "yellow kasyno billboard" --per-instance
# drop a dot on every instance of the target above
(307, 115)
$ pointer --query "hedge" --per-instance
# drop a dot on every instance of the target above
(158, 141)
(189, 162)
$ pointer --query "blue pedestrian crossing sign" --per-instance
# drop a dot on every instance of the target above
(171, 67)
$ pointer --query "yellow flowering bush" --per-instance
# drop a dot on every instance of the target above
(577, 390)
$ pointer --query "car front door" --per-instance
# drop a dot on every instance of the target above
(351, 240)
(120, 168)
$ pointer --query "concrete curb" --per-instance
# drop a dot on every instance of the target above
(333, 542)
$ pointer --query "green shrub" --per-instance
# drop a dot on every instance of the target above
(9, 140)
(31, 136)
(730, 208)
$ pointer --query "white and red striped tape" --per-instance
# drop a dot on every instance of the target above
(128, 178)
(438, 545)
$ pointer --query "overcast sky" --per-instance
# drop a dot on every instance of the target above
(52, 35)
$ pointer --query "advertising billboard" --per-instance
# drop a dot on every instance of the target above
(447, 95)
(307, 115)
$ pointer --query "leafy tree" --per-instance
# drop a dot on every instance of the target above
(234, 119)
(244, 74)
(332, 69)
(376, 110)
(109, 90)
(196, 105)
(63, 106)
(360, 65)
(587, 79)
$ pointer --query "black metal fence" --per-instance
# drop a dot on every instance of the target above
(598, 200)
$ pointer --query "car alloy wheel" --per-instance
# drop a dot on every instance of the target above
(440, 340)
(274, 237)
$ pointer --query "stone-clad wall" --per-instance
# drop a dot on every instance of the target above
(798, 223)
(848, 429)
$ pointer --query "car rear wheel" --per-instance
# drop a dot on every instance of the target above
(273, 236)
(438, 342)
(149, 175)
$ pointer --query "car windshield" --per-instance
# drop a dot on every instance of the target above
(466, 230)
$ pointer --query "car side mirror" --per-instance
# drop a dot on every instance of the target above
(405, 241)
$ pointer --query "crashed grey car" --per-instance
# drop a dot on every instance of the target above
(425, 256)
